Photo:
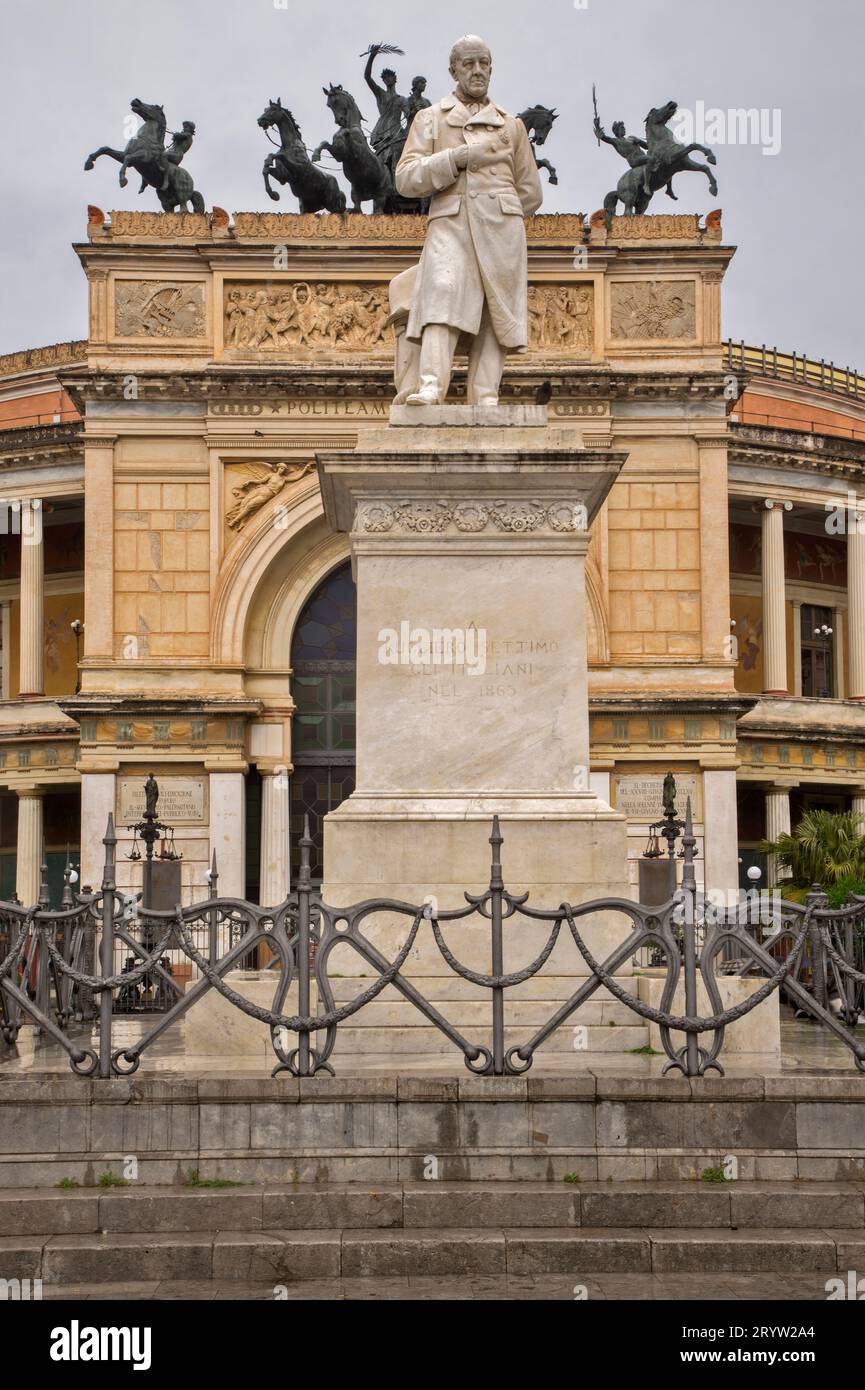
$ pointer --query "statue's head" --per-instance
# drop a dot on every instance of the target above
(189, 127)
(618, 129)
(388, 77)
(418, 85)
(470, 66)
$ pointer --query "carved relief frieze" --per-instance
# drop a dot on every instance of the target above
(434, 516)
(561, 318)
(305, 317)
(159, 309)
(259, 484)
(646, 310)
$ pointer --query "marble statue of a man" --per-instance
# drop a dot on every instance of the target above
(475, 163)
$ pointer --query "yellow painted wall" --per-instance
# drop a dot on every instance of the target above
(60, 671)
(747, 613)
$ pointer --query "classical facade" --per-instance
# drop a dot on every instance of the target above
(159, 487)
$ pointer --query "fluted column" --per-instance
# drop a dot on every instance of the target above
(856, 603)
(857, 806)
(275, 870)
(774, 611)
(777, 823)
(31, 680)
(28, 862)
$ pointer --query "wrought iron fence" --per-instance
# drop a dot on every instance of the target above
(47, 971)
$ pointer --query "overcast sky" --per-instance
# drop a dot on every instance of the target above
(68, 69)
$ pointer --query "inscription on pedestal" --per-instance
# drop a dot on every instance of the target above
(642, 798)
(182, 800)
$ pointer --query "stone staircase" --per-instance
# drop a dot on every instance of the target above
(393, 1025)
(307, 1239)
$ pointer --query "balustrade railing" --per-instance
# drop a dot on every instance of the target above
(47, 971)
(791, 366)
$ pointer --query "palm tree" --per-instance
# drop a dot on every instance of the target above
(826, 848)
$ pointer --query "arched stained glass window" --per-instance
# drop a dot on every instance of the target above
(323, 663)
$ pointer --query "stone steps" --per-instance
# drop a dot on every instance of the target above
(763, 1285)
(472, 1013)
(367, 1035)
(293, 1233)
(310, 1206)
(287, 1256)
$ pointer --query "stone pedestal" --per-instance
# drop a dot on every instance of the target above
(755, 1035)
(469, 538)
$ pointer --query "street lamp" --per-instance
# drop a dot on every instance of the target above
(77, 627)
(824, 632)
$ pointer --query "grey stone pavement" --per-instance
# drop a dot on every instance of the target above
(713, 1288)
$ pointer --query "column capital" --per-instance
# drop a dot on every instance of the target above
(783, 504)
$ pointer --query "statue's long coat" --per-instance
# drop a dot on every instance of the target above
(475, 248)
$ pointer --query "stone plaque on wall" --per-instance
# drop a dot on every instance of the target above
(182, 800)
(641, 798)
(647, 310)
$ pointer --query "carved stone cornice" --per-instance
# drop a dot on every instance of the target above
(41, 444)
(42, 358)
(567, 228)
(227, 382)
(756, 445)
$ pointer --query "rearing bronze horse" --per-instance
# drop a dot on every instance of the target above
(369, 178)
(314, 189)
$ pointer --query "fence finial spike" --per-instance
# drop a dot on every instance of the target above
(109, 830)
(44, 898)
(496, 856)
(306, 846)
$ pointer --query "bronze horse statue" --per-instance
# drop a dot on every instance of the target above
(314, 189)
(146, 153)
(538, 121)
(370, 179)
(665, 157)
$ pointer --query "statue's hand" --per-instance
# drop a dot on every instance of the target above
(478, 149)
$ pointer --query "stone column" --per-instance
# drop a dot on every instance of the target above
(28, 863)
(777, 823)
(720, 829)
(857, 806)
(97, 800)
(856, 604)
(275, 863)
(774, 609)
(228, 831)
(31, 680)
